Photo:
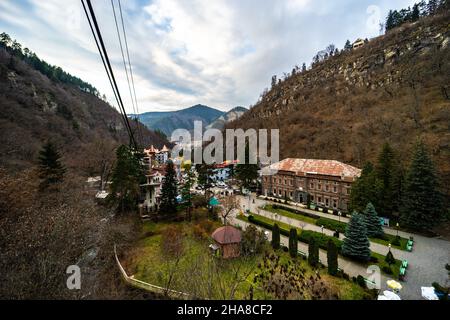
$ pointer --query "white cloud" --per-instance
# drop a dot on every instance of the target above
(220, 53)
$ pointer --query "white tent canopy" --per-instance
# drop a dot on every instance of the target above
(429, 293)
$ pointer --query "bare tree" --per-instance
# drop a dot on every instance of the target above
(228, 204)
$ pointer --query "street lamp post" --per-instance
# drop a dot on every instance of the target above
(339, 214)
(397, 228)
(322, 228)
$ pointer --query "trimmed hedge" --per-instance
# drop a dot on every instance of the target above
(331, 224)
(266, 225)
(321, 239)
(304, 236)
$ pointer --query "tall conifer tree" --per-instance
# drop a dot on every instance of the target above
(422, 201)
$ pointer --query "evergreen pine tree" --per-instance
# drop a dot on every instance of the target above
(348, 45)
(276, 237)
(388, 173)
(186, 193)
(51, 170)
(422, 203)
(293, 242)
(169, 191)
(390, 21)
(332, 258)
(365, 189)
(389, 258)
(432, 6)
(313, 252)
(415, 14)
(372, 222)
(356, 244)
(246, 172)
(125, 179)
(304, 67)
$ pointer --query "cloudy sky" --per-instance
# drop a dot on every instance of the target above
(221, 53)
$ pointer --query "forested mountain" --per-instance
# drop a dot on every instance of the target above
(395, 88)
(180, 119)
(39, 102)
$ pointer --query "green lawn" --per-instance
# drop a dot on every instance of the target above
(334, 225)
(289, 214)
(200, 273)
(381, 263)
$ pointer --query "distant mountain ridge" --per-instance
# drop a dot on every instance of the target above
(169, 121)
(232, 115)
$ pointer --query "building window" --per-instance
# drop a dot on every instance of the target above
(312, 185)
(290, 194)
(326, 188)
(312, 198)
(327, 202)
(274, 191)
(319, 199)
(319, 187)
(334, 203)
(334, 189)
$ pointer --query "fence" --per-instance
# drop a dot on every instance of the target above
(147, 286)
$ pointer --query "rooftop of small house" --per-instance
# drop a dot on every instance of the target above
(227, 235)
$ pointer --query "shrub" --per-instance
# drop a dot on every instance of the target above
(331, 224)
(199, 233)
(361, 281)
(396, 241)
(207, 225)
(276, 237)
(313, 252)
(321, 239)
(293, 242)
(345, 276)
(332, 258)
(336, 234)
(295, 211)
(389, 258)
(373, 259)
(387, 270)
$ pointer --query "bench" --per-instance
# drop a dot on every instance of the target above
(302, 253)
(405, 264)
(402, 273)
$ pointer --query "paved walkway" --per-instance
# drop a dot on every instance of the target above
(387, 230)
(426, 261)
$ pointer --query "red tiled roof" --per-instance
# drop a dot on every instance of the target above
(318, 167)
(227, 235)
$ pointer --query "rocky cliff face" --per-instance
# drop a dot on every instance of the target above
(396, 88)
(232, 115)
